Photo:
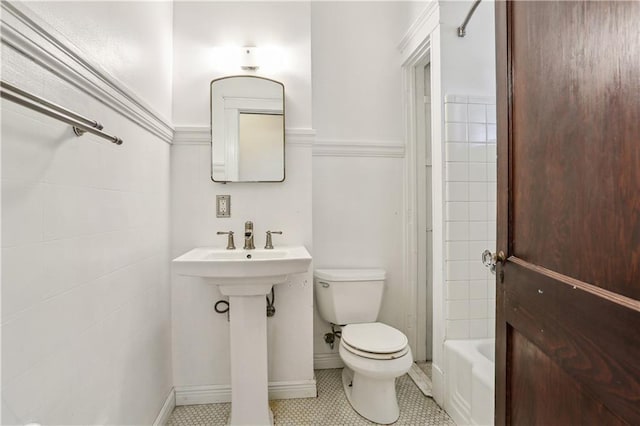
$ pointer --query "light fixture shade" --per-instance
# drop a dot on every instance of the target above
(249, 59)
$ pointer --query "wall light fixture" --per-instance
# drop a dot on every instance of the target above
(249, 59)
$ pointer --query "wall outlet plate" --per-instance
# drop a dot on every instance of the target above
(223, 205)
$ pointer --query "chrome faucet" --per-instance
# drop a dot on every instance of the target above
(230, 244)
(269, 244)
(248, 236)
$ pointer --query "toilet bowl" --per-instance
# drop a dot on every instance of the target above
(371, 369)
(374, 353)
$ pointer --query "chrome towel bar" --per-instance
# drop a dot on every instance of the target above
(80, 123)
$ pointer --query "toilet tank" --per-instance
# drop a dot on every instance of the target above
(349, 296)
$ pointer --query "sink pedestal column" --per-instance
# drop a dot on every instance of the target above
(249, 375)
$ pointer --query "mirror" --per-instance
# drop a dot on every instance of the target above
(247, 129)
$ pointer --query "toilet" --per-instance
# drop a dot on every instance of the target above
(374, 353)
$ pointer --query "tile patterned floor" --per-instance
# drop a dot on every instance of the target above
(330, 408)
(426, 367)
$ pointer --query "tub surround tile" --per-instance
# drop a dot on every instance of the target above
(458, 270)
(456, 132)
(478, 309)
(457, 290)
(478, 211)
(477, 113)
(457, 329)
(457, 191)
(492, 152)
(457, 250)
(478, 191)
(457, 152)
(462, 99)
(478, 172)
(457, 211)
(491, 133)
(470, 213)
(477, 132)
(477, 271)
(456, 113)
(457, 309)
(457, 231)
(478, 152)
(457, 172)
(488, 100)
(477, 231)
(477, 328)
(491, 114)
(478, 289)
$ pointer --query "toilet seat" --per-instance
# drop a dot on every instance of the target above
(374, 341)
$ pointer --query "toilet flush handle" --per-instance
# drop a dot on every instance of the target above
(324, 284)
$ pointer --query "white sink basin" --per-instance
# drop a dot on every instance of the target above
(258, 267)
(246, 276)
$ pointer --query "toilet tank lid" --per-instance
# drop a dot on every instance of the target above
(350, 274)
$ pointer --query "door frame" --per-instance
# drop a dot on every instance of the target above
(415, 240)
(420, 45)
(503, 114)
(424, 225)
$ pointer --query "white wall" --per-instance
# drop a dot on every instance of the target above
(201, 336)
(357, 79)
(85, 245)
(204, 29)
(358, 161)
(131, 40)
(468, 63)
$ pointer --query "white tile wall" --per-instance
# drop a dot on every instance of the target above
(85, 278)
(470, 214)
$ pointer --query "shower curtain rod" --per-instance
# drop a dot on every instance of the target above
(80, 123)
(462, 29)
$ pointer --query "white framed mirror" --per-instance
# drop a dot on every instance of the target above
(247, 129)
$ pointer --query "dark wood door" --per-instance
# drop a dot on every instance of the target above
(568, 308)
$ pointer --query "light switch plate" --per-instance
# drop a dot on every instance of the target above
(223, 206)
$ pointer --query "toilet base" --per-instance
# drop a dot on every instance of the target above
(373, 399)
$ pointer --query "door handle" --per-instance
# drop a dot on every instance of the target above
(490, 260)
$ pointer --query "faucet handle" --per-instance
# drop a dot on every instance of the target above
(269, 244)
(230, 244)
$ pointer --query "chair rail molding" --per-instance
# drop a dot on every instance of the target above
(358, 148)
(201, 135)
(27, 34)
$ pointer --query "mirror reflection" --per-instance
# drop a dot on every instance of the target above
(247, 129)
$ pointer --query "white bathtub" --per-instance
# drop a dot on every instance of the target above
(469, 378)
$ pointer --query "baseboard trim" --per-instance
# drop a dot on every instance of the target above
(327, 361)
(212, 394)
(422, 381)
(167, 409)
(438, 385)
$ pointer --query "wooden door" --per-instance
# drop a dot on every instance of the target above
(568, 308)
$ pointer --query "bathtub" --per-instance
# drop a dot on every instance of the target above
(469, 381)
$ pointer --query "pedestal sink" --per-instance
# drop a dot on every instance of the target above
(246, 276)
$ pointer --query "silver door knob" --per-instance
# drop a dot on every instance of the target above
(490, 260)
